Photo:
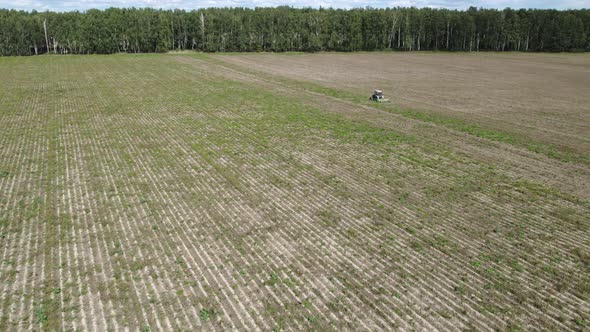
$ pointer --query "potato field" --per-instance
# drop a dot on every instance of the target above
(186, 191)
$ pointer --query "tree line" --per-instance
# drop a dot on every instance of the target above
(282, 29)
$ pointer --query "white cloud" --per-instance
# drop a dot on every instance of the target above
(57, 5)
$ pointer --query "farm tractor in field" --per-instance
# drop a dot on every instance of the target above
(378, 97)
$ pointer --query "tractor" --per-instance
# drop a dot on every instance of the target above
(378, 97)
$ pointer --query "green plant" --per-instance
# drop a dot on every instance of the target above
(41, 315)
(580, 321)
(204, 314)
(273, 280)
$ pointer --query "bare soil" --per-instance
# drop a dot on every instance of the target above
(542, 96)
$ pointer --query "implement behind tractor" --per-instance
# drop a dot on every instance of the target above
(378, 96)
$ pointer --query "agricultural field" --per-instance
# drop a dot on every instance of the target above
(188, 191)
(545, 97)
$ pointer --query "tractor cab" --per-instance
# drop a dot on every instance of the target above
(378, 96)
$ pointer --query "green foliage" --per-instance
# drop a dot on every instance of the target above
(204, 314)
(282, 29)
(273, 280)
(40, 315)
(580, 322)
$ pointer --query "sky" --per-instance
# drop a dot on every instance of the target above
(69, 5)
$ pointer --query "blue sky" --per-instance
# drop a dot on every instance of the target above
(66, 5)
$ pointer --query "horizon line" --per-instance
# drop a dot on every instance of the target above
(291, 7)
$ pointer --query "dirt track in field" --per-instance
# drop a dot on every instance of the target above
(135, 195)
(542, 96)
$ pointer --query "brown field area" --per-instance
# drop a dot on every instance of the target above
(189, 191)
(542, 96)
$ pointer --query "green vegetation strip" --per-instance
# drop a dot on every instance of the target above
(439, 119)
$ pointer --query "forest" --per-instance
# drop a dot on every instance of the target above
(280, 29)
